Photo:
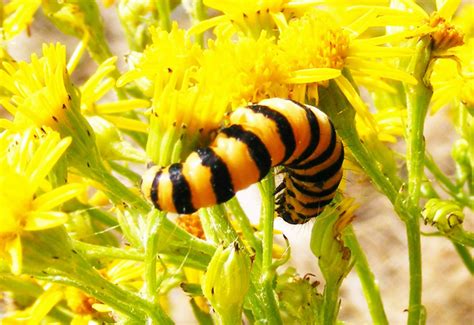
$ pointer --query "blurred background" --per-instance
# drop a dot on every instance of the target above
(448, 288)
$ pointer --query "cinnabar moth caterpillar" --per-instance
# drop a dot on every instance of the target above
(260, 136)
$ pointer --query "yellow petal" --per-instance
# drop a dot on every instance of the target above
(57, 196)
(39, 220)
(313, 75)
(378, 51)
(207, 24)
(447, 8)
(16, 254)
(127, 123)
(44, 304)
(356, 102)
(46, 156)
(380, 70)
(122, 106)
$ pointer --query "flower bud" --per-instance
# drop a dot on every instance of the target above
(327, 245)
(110, 143)
(460, 154)
(226, 283)
(445, 215)
(299, 300)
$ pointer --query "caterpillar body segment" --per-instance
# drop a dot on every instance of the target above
(260, 136)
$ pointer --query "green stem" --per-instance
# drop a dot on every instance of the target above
(465, 256)
(151, 254)
(439, 175)
(245, 226)
(417, 100)
(415, 309)
(367, 278)
(163, 7)
(267, 188)
(461, 236)
(340, 111)
(217, 226)
(452, 190)
(120, 194)
(330, 305)
(97, 251)
(199, 14)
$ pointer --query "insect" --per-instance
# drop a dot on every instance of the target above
(274, 132)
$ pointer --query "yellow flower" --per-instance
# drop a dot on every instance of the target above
(27, 199)
(39, 97)
(316, 49)
(38, 311)
(169, 54)
(244, 70)
(251, 17)
(437, 25)
(453, 79)
(97, 86)
(43, 96)
(180, 117)
(452, 76)
(17, 16)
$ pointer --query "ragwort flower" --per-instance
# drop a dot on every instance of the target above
(27, 200)
(17, 16)
(318, 49)
(43, 96)
(97, 86)
(171, 53)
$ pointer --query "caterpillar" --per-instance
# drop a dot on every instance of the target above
(274, 132)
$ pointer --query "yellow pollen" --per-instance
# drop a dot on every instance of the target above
(314, 41)
(446, 35)
(192, 224)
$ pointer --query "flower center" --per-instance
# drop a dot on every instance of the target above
(314, 41)
(446, 35)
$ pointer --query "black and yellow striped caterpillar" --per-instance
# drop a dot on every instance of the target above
(273, 132)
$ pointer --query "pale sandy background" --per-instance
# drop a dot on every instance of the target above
(448, 286)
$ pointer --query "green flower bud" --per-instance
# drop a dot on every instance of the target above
(299, 299)
(80, 19)
(110, 143)
(460, 154)
(445, 215)
(327, 245)
(226, 283)
(136, 17)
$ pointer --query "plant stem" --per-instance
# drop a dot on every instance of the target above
(461, 236)
(151, 254)
(163, 7)
(217, 226)
(267, 188)
(243, 221)
(340, 111)
(367, 278)
(97, 251)
(415, 309)
(456, 193)
(417, 100)
(199, 14)
(119, 193)
(331, 303)
(465, 256)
